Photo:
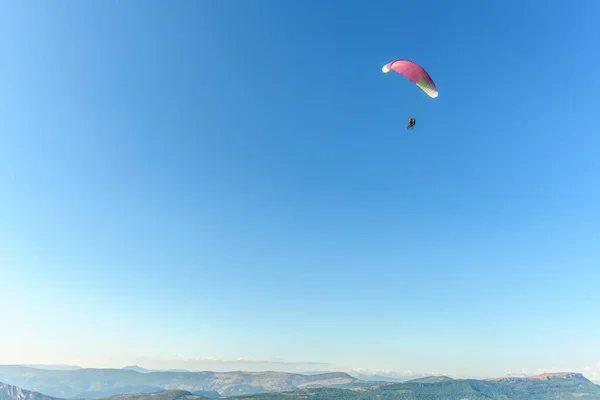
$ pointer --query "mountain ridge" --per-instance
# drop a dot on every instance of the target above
(127, 384)
(540, 387)
(431, 379)
(10, 392)
(139, 369)
(544, 376)
(574, 386)
(93, 383)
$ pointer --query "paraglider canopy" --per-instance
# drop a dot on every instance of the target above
(415, 73)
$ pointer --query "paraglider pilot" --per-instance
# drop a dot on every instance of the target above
(411, 123)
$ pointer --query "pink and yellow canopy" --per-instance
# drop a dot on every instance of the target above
(415, 73)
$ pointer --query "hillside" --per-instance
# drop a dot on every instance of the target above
(164, 395)
(537, 386)
(96, 383)
(545, 387)
(542, 387)
(431, 379)
(8, 392)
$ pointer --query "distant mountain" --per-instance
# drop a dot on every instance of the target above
(383, 378)
(398, 379)
(56, 367)
(431, 379)
(142, 370)
(317, 373)
(125, 384)
(543, 387)
(139, 369)
(96, 383)
(554, 377)
(568, 386)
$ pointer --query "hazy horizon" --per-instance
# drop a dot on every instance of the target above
(198, 180)
(216, 365)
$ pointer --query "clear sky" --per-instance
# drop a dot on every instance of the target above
(199, 179)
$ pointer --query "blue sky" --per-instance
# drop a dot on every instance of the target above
(208, 179)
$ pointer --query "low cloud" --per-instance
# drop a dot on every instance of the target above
(592, 373)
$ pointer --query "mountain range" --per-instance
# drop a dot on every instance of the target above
(96, 383)
(385, 378)
(542, 387)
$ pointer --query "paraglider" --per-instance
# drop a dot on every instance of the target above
(415, 73)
